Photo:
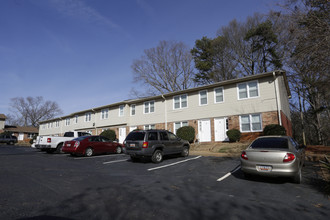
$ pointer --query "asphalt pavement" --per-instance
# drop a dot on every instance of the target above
(37, 185)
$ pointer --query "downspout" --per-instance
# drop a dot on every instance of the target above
(165, 109)
(94, 124)
(278, 104)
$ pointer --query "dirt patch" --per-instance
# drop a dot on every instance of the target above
(219, 149)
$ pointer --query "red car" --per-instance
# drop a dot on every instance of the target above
(90, 145)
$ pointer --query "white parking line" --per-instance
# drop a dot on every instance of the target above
(115, 161)
(228, 174)
(81, 158)
(171, 164)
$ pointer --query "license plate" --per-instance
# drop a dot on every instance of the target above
(69, 145)
(132, 145)
(264, 168)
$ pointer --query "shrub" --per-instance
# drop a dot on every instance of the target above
(274, 129)
(186, 133)
(234, 135)
(110, 134)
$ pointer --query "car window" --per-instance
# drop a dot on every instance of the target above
(152, 136)
(294, 143)
(68, 134)
(270, 143)
(172, 136)
(79, 138)
(163, 136)
(135, 136)
(94, 139)
(104, 139)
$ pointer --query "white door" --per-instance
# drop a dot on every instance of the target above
(204, 130)
(220, 129)
(21, 136)
(132, 128)
(122, 134)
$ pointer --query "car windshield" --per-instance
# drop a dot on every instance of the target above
(270, 143)
(135, 136)
(79, 138)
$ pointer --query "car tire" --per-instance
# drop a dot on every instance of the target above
(157, 156)
(119, 150)
(298, 177)
(88, 152)
(11, 143)
(59, 148)
(73, 154)
(185, 151)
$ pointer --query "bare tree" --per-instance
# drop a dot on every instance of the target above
(166, 68)
(29, 111)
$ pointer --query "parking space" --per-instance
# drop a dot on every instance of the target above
(111, 186)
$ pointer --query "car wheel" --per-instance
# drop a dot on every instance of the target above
(73, 154)
(59, 148)
(119, 150)
(88, 152)
(185, 151)
(157, 157)
(11, 143)
(298, 177)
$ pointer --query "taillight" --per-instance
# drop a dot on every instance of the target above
(49, 140)
(289, 157)
(244, 156)
(76, 144)
(145, 145)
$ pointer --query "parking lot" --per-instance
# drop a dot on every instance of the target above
(37, 185)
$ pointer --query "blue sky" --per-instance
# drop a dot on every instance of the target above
(79, 52)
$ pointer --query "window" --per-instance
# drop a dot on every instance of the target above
(163, 136)
(121, 110)
(180, 101)
(203, 97)
(75, 119)
(132, 109)
(250, 123)
(152, 136)
(148, 127)
(248, 90)
(149, 107)
(88, 117)
(218, 95)
(67, 121)
(178, 125)
(57, 124)
(104, 113)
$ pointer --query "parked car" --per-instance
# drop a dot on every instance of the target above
(275, 156)
(52, 144)
(90, 145)
(8, 139)
(154, 144)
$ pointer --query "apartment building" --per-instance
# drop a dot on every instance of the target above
(247, 104)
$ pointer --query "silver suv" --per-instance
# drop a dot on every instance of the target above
(154, 144)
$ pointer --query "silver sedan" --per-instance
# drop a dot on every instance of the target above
(276, 156)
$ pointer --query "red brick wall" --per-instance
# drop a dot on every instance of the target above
(286, 123)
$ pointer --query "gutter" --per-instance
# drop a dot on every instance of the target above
(278, 101)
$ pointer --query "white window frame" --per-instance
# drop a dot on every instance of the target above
(223, 95)
(133, 110)
(200, 98)
(121, 110)
(149, 107)
(88, 117)
(247, 86)
(57, 124)
(148, 127)
(104, 114)
(67, 122)
(250, 122)
(75, 119)
(180, 126)
(180, 101)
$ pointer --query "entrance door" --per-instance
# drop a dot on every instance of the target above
(220, 129)
(21, 136)
(122, 134)
(204, 130)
